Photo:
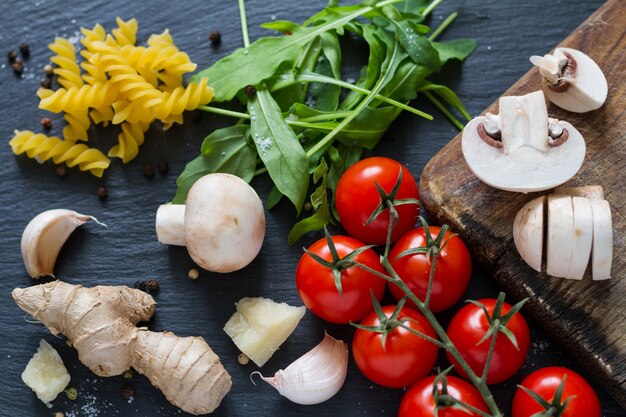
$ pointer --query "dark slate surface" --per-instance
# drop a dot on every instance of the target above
(507, 33)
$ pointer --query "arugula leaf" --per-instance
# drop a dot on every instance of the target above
(456, 49)
(417, 46)
(250, 66)
(278, 147)
(324, 96)
(448, 95)
(224, 150)
(319, 200)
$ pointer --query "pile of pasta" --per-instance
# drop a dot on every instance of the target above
(116, 83)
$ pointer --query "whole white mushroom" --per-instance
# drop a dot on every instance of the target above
(222, 223)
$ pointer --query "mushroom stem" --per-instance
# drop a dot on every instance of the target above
(170, 224)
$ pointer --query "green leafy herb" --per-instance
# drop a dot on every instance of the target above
(304, 119)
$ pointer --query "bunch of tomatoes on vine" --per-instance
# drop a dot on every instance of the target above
(342, 279)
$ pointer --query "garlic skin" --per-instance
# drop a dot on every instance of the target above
(314, 377)
(44, 236)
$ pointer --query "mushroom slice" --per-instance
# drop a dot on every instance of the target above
(583, 233)
(602, 239)
(572, 80)
(528, 232)
(560, 239)
(529, 152)
(588, 191)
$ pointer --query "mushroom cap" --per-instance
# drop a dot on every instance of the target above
(525, 169)
(528, 232)
(224, 223)
(560, 236)
(588, 89)
(602, 253)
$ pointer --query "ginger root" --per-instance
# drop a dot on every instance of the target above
(100, 323)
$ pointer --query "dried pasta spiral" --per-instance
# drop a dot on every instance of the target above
(126, 32)
(181, 99)
(43, 148)
(77, 125)
(74, 99)
(67, 70)
(129, 141)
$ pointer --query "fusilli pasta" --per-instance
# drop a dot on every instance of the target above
(129, 141)
(67, 70)
(43, 148)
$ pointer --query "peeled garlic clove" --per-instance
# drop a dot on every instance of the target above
(316, 376)
(45, 235)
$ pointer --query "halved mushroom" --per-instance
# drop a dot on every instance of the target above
(222, 223)
(579, 222)
(521, 149)
(572, 80)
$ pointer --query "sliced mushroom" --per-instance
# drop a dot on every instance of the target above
(578, 225)
(583, 233)
(602, 239)
(560, 236)
(528, 232)
(521, 149)
(572, 80)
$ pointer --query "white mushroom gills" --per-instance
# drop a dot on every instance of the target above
(578, 226)
(523, 150)
(222, 223)
(572, 80)
(44, 237)
(316, 376)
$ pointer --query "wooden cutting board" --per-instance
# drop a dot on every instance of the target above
(588, 319)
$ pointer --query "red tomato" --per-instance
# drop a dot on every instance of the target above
(545, 381)
(357, 198)
(406, 357)
(316, 283)
(467, 328)
(452, 272)
(419, 402)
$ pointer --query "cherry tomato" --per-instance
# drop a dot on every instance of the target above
(405, 359)
(544, 382)
(467, 328)
(452, 271)
(316, 283)
(419, 402)
(357, 198)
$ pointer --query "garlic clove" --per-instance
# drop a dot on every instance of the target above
(560, 236)
(314, 377)
(44, 236)
(528, 232)
(602, 239)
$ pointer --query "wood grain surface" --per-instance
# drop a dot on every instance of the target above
(586, 318)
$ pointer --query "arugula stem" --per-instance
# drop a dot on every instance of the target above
(224, 112)
(443, 26)
(431, 7)
(260, 171)
(444, 110)
(244, 23)
(313, 77)
(325, 117)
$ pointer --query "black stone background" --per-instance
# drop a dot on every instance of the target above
(507, 32)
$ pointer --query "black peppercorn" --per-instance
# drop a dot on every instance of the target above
(102, 193)
(49, 70)
(215, 38)
(148, 170)
(128, 392)
(152, 285)
(46, 123)
(250, 90)
(162, 167)
(25, 50)
(61, 171)
(140, 285)
(18, 66)
(11, 55)
(46, 83)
